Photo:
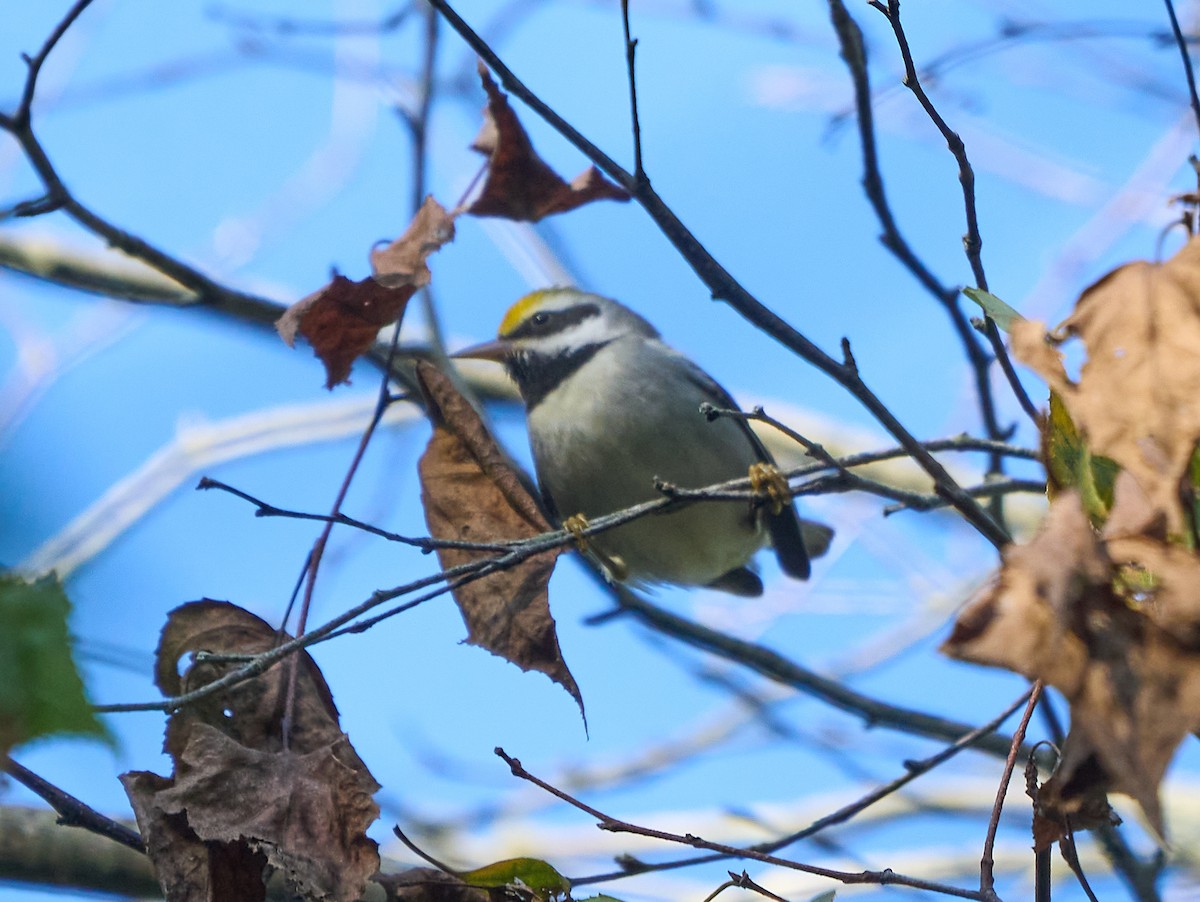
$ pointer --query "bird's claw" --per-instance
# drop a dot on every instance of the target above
(576, 524)
(768, 481)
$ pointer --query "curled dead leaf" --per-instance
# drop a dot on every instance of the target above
(241, 798)
(471, 492)
(520, 185)
(342, 320)
(403, 261)
(1137, 399)
(1060, 612)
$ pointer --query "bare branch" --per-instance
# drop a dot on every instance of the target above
(1188, 72)
(606, 822)
(774, 666)
(71, 811)
(854, 54)
(913, 770)
(972, 240)
(58, 196)
(639, 173)
(987, 881)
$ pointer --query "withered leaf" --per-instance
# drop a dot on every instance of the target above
(240, 797)
(403, 261)
(1137, 400)
(1056, 613)
(188, 868)
(342, 320)
(250, 712)
(471, 492)
(520, 185)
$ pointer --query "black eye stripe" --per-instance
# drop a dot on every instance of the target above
(552, 322)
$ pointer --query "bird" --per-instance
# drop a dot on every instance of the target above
(613, 412)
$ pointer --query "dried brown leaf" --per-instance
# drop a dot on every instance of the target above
(520, 185)
(1023, 622)
(342, 320)
(250, 712)
(1056, 614)
(403, 262)
(1161, 581)
(306, 813)
(471, 492)
(1137, 400)
(1132, 513)
(188, 868)
(241, 798)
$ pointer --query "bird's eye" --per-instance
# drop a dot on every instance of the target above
(540, 319)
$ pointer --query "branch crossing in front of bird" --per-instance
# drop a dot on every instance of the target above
(766, 480)
(576, 525)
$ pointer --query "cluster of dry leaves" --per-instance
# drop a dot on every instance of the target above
(470, 491)
(342, 320)
(1104, 602)
(264, 779)
(265, 783)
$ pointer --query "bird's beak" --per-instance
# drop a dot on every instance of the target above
(496, 350)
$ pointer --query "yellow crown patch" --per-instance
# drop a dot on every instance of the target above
(520, 311)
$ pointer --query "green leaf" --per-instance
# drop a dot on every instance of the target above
(600, 898)
(999, 311)
(828, 896)
(41, 693)
(533, 873)
(1071, 464)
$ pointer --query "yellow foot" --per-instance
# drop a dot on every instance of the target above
(766, 480)
(575, 525)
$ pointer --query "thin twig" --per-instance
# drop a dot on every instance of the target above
(913, 770)
(58, 197)
(997, 488)
(987, 880)
(854, 54)
(847, 480)
(885, 877)
(71, 811)
(421, 853)
(425, 543)
(1189, 74)
(774, 666)
(383, 399)
(972, 240)
(725, 287)
(20, 119)
(743, 881)
(1071, 855)
(639, 173)
(418, 124)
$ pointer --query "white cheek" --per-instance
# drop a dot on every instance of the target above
(593, 330)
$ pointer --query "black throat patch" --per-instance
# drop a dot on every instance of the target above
(537, 375)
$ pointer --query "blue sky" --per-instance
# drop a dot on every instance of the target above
(268, 159)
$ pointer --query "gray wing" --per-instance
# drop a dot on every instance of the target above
(784, 527)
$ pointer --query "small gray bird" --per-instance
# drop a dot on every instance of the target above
(610, 408)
